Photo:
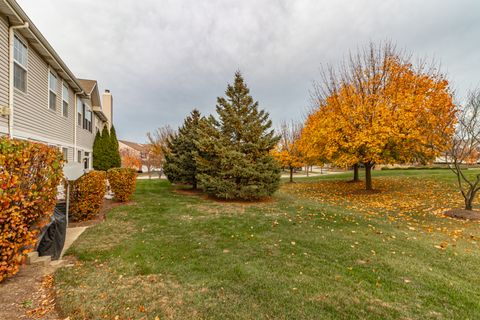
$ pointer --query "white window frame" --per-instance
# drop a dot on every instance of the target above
(86, 109)
(87, 159)
(79, 112)
(65, 86)
(79, 156)
(50, 72)
(18, 63)
(65, 155)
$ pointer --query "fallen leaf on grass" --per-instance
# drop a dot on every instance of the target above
(442, 246)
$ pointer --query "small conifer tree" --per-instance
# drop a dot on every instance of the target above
(180, 165)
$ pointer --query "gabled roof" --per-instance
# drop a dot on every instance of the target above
(88, 85)
(134, 145)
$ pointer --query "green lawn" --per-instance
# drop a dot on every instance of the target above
(318, 250)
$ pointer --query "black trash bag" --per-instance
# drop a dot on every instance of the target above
(53, 237)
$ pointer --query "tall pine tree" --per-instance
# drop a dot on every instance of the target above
(105, 150)
(114, 153)
(101, 145)
(180, 165)
(97, 151)
(234, 160)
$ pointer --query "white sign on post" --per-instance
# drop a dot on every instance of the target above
(71, 171)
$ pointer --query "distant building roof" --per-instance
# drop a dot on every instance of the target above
(134, 145)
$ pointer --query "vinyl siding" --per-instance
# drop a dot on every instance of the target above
(33, 119)
(70, 153)
(3, 70)
(32, 115)
(84, 137)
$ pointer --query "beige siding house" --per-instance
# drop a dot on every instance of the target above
(137, 150)
(40, 98)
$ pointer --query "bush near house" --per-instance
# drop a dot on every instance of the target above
(122, 182)
(86, 195)
(29, 176)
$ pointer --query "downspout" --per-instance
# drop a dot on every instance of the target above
(11, 36)
(75, 125)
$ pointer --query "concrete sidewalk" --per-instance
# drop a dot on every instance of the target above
(72, 235)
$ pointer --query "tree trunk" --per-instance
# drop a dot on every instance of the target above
(291, 174)
(468, 204)
(308, 168)
(194, 184)
(469, 197)
(368, 176)
(356, 178)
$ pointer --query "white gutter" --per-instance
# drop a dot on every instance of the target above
(75, 125)
(21, 15)
(11, 36)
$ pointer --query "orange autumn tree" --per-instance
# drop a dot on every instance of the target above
(312, 141)
(287, 152)
(130, 159)
(380, 109)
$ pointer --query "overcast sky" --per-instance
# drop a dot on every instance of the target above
(163, 58)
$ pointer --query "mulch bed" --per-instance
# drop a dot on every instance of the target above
(102, 216)
(199, 193)
(28, 294)
(463, 214)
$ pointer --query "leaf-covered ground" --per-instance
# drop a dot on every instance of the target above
(321, 249)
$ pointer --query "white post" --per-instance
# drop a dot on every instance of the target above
(68, 201)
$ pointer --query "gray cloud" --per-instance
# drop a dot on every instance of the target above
(163, 58)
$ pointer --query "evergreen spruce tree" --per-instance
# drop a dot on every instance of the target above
(181, 150)
(97, 151)
(114, 153)
(234, 160)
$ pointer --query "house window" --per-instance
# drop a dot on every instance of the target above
(79, 156)
(19, 65)
(65, 154)
(79, 112)
(52, 88)
(86, 163)
(87, 120)
(65, 99)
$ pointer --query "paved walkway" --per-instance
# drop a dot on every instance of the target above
(311, 174)
(72, 235)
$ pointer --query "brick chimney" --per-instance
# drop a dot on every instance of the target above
(107, 106)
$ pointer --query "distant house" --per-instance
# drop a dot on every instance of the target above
(136, 149)
(40, 98)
